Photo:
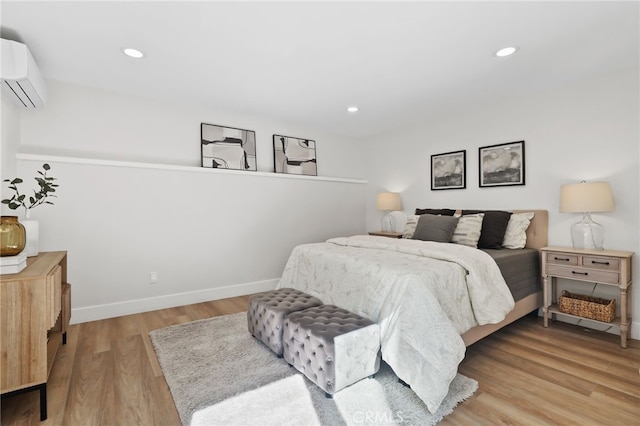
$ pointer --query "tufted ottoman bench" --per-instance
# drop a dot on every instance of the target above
(267, 312)
(331, 346)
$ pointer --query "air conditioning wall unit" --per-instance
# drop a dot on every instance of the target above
(22, 81)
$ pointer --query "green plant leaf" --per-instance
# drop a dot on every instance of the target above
(44, 190)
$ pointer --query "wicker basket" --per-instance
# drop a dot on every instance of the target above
(587, 307)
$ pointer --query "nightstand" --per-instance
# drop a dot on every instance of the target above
(606, 267)
(386, 234)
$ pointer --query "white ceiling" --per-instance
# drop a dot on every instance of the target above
(305, 62)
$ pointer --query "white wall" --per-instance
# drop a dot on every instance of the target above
(81, 121)
(587, 131)
(10, 134)
(207, 233)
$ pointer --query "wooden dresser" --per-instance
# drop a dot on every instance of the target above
(35, 311)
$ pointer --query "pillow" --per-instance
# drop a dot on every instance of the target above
(435, 228)
(410, 226)
(468, 229)
(443, 212)
(516, 235)
(494, 225)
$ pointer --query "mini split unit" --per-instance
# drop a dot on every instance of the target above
(22, 81)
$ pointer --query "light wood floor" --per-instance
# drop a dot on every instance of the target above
(107, 374)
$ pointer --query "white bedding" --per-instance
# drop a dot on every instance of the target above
(424, 295)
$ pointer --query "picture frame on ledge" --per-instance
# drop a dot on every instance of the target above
(449, 170)
(230, 148)
(295, 156)
(502, 164)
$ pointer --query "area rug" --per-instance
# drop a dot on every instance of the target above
(220, 375)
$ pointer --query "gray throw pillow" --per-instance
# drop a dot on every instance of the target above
(435, 228)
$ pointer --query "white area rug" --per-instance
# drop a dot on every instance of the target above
(220, 375)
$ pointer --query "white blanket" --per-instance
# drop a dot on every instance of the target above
(424, 295)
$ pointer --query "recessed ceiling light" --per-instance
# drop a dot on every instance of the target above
(353, 109)
(506, 51)
(134, 53)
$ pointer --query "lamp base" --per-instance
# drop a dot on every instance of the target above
(587, 234)
(388, 223)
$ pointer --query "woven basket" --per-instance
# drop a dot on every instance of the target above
(587, 306)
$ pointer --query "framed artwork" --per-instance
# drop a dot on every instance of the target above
(448, 170)
(502, 165)
(227, 147)
(294, 156)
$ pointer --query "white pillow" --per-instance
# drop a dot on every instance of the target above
(467, 231)
(516, 235)
(410, 227)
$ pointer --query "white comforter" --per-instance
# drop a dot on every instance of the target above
(424, 295)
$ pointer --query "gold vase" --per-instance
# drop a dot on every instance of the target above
(12, 236)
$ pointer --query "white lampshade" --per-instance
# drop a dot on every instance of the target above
(586, 197)
(389, 201)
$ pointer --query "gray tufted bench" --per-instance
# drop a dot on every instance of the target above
(267, 312)
(331, 346)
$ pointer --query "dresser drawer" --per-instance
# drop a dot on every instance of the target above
(583, 274)
(601, 263)
(562, 258)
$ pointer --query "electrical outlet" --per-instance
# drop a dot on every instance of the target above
(153, 278)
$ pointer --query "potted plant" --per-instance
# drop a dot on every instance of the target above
(46, 189)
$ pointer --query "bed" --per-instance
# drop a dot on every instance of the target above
(431, 299)
(537, 237)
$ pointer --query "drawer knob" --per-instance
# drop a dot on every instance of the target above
(595, 262)
(565, 259)
(580, 273)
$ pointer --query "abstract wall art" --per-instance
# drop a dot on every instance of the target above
(294, 156)
(448, 170)
(227, 147)
(502, 164)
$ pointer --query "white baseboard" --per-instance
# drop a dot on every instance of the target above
(129, 307)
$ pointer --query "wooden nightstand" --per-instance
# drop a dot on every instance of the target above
(386, 234)
(591, 266)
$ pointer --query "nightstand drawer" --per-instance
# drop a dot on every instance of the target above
(562, 258)
(601, 263)
(583, 274)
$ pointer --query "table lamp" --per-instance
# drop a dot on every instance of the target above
(388, 201)
(586, 198)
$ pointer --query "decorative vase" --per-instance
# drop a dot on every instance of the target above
(12, 236)
(32, 228)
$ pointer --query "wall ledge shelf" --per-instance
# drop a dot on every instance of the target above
(175, 167)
